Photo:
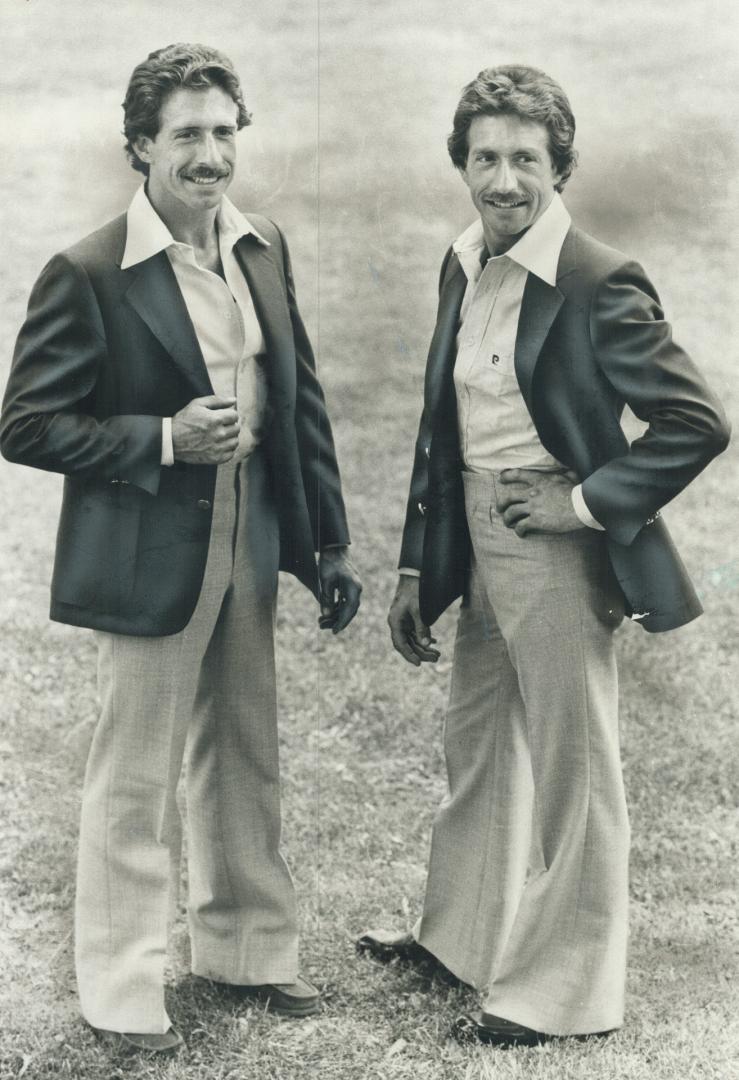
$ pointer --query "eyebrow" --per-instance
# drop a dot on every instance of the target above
(195, 126)
(517, 150)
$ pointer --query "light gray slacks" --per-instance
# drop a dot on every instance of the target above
(526, 895)
(212, 684)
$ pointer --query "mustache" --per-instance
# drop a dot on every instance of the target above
(205, 172)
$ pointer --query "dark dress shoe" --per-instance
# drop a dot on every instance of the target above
(295, 1000)
(386, 946)
(494, 1030)
(485, 1028)
(130, 1042)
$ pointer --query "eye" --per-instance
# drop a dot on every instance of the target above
(225, 133)
(185, 135)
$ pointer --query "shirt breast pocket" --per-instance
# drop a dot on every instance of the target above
(498, 370)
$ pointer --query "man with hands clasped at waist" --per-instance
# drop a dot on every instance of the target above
(528, 501)
(164, 368)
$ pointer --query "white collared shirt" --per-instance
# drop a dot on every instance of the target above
(495, 428)
(222, 312)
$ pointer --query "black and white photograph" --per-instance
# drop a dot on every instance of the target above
(370, 574)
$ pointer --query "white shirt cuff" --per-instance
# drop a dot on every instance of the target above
(409, 571)
(580, 507)
(167, 444)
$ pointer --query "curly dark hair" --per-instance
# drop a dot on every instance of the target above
(516, 90)
(192, 67)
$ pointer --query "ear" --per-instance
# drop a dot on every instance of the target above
(142, 146)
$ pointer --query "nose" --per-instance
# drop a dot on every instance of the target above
(210, 152)
(504, 179)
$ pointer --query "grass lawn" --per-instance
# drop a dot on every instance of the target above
(368, 220)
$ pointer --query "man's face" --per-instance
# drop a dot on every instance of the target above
(192, 158)
(510, 175)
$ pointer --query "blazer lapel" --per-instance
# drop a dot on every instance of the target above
(442, 351)
(155, 295)
(270, 302)
(539, 307)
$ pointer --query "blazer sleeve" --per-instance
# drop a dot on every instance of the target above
(48, 417)
(686, 425)
(318, 463)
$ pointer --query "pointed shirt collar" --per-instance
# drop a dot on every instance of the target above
(147, 235)
(537, 251)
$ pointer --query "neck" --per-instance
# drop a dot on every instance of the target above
(498, 245)
(187, 226)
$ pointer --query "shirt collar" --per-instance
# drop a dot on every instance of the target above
(537, 251)
(147, 235)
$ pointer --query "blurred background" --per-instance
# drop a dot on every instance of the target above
(352, 105)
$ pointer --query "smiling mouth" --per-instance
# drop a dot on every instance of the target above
(206, 181)
(501, 204)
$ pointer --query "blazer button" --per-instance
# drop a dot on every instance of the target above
(203, 504)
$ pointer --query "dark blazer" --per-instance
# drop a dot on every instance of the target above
(585, 348)
(104, 353)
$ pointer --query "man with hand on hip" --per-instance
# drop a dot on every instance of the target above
(164, 369)
(527, 500)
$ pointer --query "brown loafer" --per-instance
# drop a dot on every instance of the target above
(386, 946)
(131, 1042)
(295, 1000)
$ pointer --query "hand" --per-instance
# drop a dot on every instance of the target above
(538, 502)
(410, 637)
(340, 589)
(206, 432)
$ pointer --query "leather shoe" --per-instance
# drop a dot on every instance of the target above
(386, 946)
(485, 1028)
(130, 1042)
(295, 1000)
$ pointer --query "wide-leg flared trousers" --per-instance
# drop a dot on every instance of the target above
(526, 896)
(213, 685)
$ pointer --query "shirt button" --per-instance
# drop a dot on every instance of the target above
(203, 504)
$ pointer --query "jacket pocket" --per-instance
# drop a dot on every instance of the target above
(97, 542)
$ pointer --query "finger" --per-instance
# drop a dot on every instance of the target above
(426, 654)
(512, 476)
(523, 527)
(401, 645)
(226, 438)
(348, 606)
(216, 401)
(227, 418)
(515, 513)
(508, 498)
